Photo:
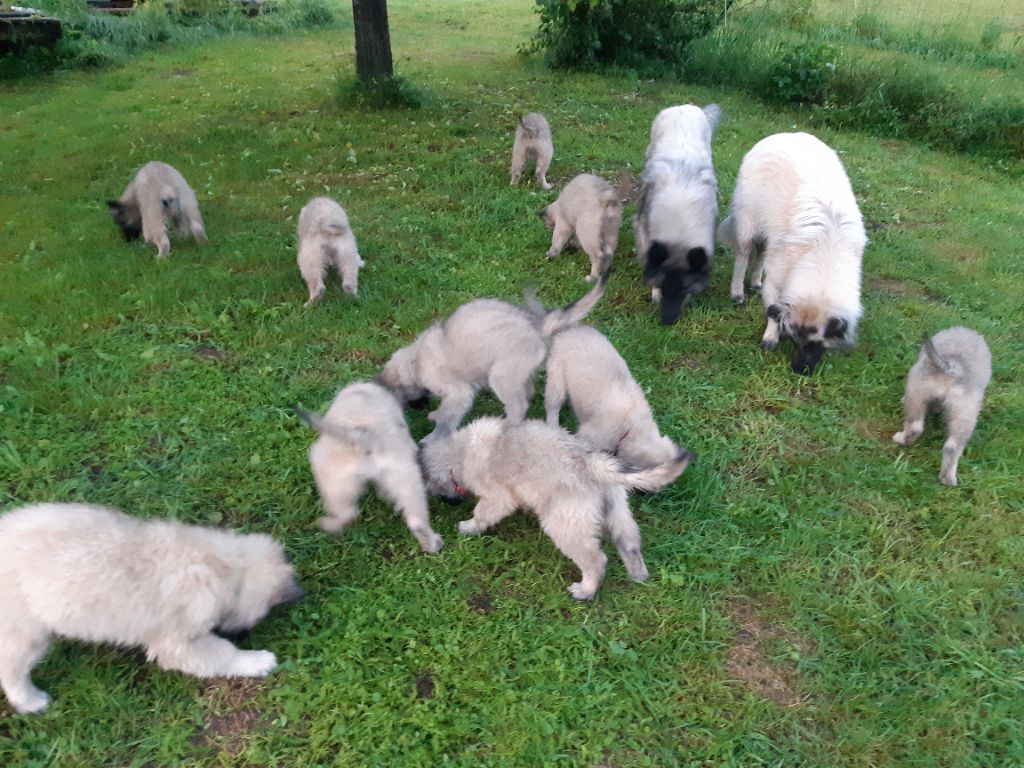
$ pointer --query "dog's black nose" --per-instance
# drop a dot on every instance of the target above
(453, 500)
(806, 358)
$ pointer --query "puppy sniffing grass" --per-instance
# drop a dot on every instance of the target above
(364, 439)
(952, 372)
(95, 574)
(576, 492)
(156, 197)
(532, 144)
(589, 210)
(326, 240)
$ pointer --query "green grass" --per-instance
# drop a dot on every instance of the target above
(886, 606)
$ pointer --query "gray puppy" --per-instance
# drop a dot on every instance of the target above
(485, 343)
(95, 574)
(158, 195)
(576, 492)
(532, 143)
(952, 371)
(326, 240)
(363, 439)
(612, 411)
(589, 210)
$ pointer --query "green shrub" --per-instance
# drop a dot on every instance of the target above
(803, 72)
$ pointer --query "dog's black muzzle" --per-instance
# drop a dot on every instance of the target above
(806, 357)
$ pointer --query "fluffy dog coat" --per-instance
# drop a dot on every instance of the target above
(588, 209)
(532, 143)
(95, 574)
(793, 203)
(610, 407)
(952, 372)
(363, 439)
(485, 343)
(158, 195)
(577, 493)
(675, 221)
(326, 240)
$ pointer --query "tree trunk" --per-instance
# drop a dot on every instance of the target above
(373, 41)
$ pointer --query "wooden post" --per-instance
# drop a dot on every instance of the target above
(373, 41)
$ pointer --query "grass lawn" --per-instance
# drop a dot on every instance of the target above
(817, 598)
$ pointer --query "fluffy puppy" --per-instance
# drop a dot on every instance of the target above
(610, 407)
(532, 143)
(364, 438)
(326, 240)
(158, 195)
(675, 221)
(576, 492)
(588, 209)
(952, 371)
(95, 574)
(793, 203)
(485, 343)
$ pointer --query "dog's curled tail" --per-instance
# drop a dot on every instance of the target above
(947, 365)
(726, 234)
(609, 470)
(551, 321)
(356, 436)
(333, 227)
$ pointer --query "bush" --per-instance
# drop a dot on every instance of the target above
(643, 35)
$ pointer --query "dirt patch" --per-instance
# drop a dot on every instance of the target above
(959, 252)
(628, 186)
(236, 718)
(689, 362)
(386, 553)
(481, 603)
(177, 73)
(748, 660)
(425, 686)
(207, 352)
(900, 288)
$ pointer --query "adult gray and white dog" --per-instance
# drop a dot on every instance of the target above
(532, 143)
(952, 372)
(675, 221)
(326, 240)
(95, 574)
(610, 407)
(794, 205)
(485, 343)
(364, 439)
(156, 197)
(576, 492)
(589, 210)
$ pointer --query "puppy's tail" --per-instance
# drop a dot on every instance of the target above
(609, 470)
(355, 436)
(551, 321)
(333, 227)
(946, 364)
(726, 234)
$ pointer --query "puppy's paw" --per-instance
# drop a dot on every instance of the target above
(900, 437)
(738, 299)
(947, 478)
(590, 278)
(551, 253)
(332, 524)
(253, 664)
(432, 543)
(639, 573)
(469, 528)
(579, 592)
(33, 703)
(769, 344)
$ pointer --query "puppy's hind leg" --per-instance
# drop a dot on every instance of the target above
(209, 656)
(961, 427)
(340, 488)
(543, 163)
(312, 266)
(625, 533)
(915, 407)
(512, 383)
(570, 527)
(403, 485)
(559, 238)
(22, 645)
(518, 161)
(554, 394)
(154, 231)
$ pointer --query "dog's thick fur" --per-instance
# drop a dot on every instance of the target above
(95, 574)
(326, 240)
(532, 143)
(675, 221)
(793, 203)
(485, 343)
(158, 195)
(952, 371)
(610, 407)
(363, 439)
(575, 491)
(590, 210)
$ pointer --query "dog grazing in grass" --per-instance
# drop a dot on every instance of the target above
(532, 144)
(610, 407)
(95, 574)
(326, 240)
(952, 371)
(364, 439)
(675, 220)
(158, 196)
(793, 203)
(485, 343)
(590, 211)
(575, 491)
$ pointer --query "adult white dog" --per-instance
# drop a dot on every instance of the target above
(793, 205)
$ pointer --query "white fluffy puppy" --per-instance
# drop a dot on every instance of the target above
(678, 205)
(364, 439)
(95, 574)
(611, 409)
(589, 210)
(793, 203)
(532, 142)
(326, 240)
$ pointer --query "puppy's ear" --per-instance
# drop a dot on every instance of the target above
(774, 312)
(542, 213)
(836, 328)
(713, 113)
(657, 254)
(697, 258)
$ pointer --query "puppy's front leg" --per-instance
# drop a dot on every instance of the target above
(210, 656)
(454, 405)
(489, 511)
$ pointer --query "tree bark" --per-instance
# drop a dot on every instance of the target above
(373, 41)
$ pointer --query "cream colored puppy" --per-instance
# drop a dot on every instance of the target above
(95, 574)
(156, 197)
(610, 407)
(326, 240)
(532, 143)
(364, 439)
(588, 209)
(576, 492)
